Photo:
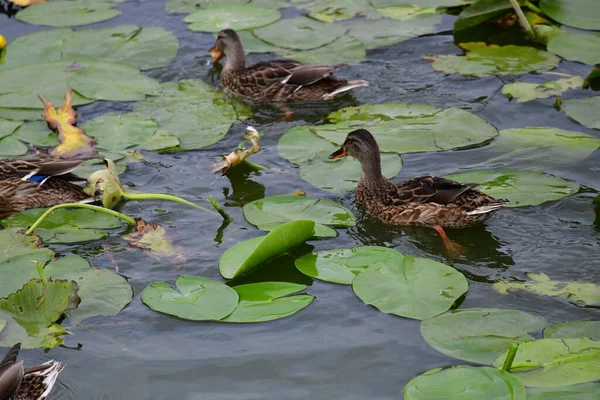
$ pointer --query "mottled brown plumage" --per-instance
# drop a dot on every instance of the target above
(38, 183)
(422, 201)
(276, 80)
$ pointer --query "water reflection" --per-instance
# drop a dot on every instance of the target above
(243, 189)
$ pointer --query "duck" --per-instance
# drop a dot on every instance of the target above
(428, 201)
(35, 183)
(33, 383)
(278, 81)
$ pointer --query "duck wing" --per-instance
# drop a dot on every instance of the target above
(38, 170)
(11, 373)
(430, 189)
(266, 73)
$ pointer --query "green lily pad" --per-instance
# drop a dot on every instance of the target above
(68, 13)
(102, 291)
(556, 362)
(193, 111)
(524, 92)
(584, 391)
(145, 48)
(578, 293)
(465, 383)
(300, 33)
(36, 308)
(338, 10)
(189, 6)
(480, 335)
(268, 301)
(215, 19)
(12, 147)
(404, 12)
(482, 11)
(198, 298)
(574, 329)
(342, 265)
(421, 3)
(485, 60)
(583, 48)
(345, 49)
(417, 288)
(582, 14)
(521, 187)
(8, 127)
(271, 212)
(21, 114)
(583, 111)
(248, 255)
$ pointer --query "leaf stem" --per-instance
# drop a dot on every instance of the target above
(161, 196)
(533, 7)
(219, 209)
(510, 357)
(40, 270)
(78, 205)
(256, 166)
(522, 19)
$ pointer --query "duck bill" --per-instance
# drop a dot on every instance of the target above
(341, 153)
(216, 54)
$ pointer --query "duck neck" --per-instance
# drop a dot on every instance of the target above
(371, 167)
(236, 58)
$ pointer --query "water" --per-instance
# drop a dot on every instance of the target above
(337, 347)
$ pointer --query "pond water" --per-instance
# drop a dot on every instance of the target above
(338, 347)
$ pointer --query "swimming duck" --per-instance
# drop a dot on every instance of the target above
(38, 183)
(34, 383)
(279, 80)
(424, 201)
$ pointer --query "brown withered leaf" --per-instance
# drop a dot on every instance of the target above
(240, 154)
(154, 239)
(73, 141)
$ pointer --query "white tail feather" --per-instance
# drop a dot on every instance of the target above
(486, 209)
(351, 85)
(50, 376)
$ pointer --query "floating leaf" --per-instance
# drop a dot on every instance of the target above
(198, 298)
(102, 292)
(300, 33)
(345, 49)
(584, 391)
(268, 301)
(484, 60)
(465, 383)
(417, 288)
(578, 293)
(583, 111)
(248, 255)
(342, 265)
(556, 362)
(271, 212)
(574, 329)
(479, 335)
(338, 10)
(215, 19)
(154, 239)
(584, 48)
(481, 11)
(8, 127)
(105, 185)
(521, 187)
(525, 92)
(582, 14)
(189, 6)
(68, 13)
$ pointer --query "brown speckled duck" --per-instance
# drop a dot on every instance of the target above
(275, 80)
(423, 201)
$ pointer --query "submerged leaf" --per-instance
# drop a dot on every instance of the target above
(154, 239)
(525, 92)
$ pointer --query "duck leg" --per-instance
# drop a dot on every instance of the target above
(454, 249)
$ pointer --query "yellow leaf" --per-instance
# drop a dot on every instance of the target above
(2, 42)
(240, 154)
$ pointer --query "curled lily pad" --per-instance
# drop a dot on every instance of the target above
(342, 265)
(574, 329)
(584, 48)
(556, 362)
(248, 255)
(465, 383)
(479, 335)
(300, 33)
(271, 212)
(521, 187)
(268, 301)
(484, 60)
(197, 298)
(524, 92)
(105, 184)
(416, 288)
(583, 111)
(215, 19)
(68, 13)
(582, 14)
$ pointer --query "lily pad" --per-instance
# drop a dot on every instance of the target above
(268, 301)
(248, 255)
(485, 60)
(583, 48)
(300, 33)
(271, 212)
(579, 293)
(189, 6)
(417, 288)
(480, 335)
(574, 329)
(68, 13)
(8, 127)
(338, 10)
(584, 111)
(582, 14)
(345, 49)
(197, 298)
(342, 265)
(482, 11)
(525, 92)
(193, 111)
(465, 383)
(556, 362)
(584, 391)
(145, 48)
(521, 187)
(215, 19)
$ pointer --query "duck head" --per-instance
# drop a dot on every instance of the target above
(229, 45)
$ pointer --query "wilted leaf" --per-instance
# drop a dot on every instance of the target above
(105, 184)
(525, 92)
(240, 154)
(154, 239)
(68, 13)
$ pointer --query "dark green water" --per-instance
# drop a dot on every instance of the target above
(337, 347)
